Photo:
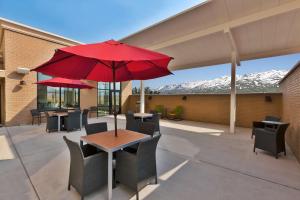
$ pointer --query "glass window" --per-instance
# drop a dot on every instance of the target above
(52, 98)
(118, 86)
(105, 97)
(69, 97)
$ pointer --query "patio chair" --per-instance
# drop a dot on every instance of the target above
(136, 170)
(257, 125)
(85, 116)
(35, 114)
(132, 123)
(52, 123)
(92, 129)
(176, 114)
(129, 112)
(155, 119)
(72, 121)
(271, 140)
(147, 128)
(88, 171)
(93, 109)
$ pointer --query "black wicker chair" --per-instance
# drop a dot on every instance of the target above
(92, 129)
(136, 170)
(147, 128)
(52, 122)
(35, 114)
(271, 140)
(132, 124)
(259, 125)
(85, 117)
(155, 119)
(88, 171)
(72, 121)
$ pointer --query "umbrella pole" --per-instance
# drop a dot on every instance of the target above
(114, 90)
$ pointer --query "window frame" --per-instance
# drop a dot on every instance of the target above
(60, 90)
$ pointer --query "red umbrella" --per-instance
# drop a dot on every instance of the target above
(109, 61)
(64, 82)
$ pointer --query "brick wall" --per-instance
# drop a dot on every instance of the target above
(215, 108)
(22, 50)
(290, 88)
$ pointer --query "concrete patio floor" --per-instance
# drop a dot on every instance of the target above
(195, 161)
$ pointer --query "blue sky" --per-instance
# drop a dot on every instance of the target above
(95, 20)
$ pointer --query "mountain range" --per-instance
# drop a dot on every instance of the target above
(248, 83)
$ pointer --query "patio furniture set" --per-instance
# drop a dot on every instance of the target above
(62, 119)
(128, 159)
(269, 135)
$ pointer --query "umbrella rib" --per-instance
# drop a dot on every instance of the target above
(158, 66)
(104, 64)
(57, 60)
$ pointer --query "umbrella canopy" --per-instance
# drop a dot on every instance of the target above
(97, 61)
(109, 61)
(64, 82)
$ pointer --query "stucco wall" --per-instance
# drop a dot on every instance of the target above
(290, 88)
(215, 108)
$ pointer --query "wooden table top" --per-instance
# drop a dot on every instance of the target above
(108, 142)
(61, 114)
(143, 115)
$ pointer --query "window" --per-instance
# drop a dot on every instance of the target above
(52, 98)
(105, 98)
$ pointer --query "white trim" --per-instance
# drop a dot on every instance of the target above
(166, 19)
(38, 30)
(274, 11)
(9, 28)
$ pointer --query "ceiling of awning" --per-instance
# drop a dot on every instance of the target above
(207, 34)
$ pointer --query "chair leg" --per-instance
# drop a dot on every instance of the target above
(69, 186)
(254, 149)
(156, 179)
(137, 195)
(32, 120)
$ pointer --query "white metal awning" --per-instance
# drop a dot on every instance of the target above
(225, 31)
(206, 34)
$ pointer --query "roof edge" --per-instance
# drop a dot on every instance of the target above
(290, 72)
(166, 19)
(10, 22)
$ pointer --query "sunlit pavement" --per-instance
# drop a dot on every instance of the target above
(195, 161)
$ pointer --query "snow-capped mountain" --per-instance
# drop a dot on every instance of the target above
(247, 83)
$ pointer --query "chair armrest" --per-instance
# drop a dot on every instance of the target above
(256, 124)
(96, 160)
(264, 135)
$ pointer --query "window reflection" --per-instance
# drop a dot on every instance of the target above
(52, 98)
(105, 98)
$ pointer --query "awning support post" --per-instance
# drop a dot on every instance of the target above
(142, 98)
(233, 94)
